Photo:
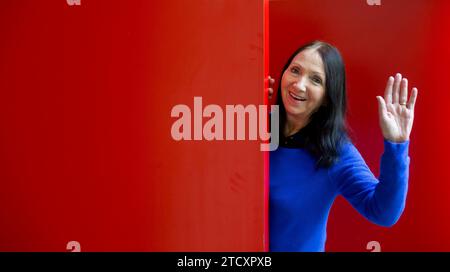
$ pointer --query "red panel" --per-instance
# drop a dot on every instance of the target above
(411, 37)
(266, 102)
(86, 152)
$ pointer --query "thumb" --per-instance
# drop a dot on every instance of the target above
(381, 106)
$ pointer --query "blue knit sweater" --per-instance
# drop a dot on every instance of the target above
(301, 195)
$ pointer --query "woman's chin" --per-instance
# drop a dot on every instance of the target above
(297, 113)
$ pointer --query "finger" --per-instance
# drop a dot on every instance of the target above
(388, 91)
(396, 89)
(271, 81)
(382, 109)
(270, 93)
(413, 99)
(403, 92)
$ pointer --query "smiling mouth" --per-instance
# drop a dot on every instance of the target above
(296, 97)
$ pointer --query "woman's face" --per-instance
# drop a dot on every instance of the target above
(303, 85)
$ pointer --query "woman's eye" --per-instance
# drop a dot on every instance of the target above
(294, 70)
(317, 80)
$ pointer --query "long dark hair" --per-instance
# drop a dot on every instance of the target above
(326, 131)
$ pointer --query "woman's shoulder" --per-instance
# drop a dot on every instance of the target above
(348, 152)
(349, 160)
(346, 146)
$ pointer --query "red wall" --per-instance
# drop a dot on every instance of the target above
(86, 153)
(411, 37)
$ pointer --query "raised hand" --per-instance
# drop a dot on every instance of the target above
(396, 113)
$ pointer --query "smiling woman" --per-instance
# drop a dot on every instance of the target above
(316, 160)
(305, 69)
(313, 96)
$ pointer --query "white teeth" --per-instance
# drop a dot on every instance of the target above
(296, 97)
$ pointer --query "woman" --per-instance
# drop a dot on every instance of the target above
(316, 160)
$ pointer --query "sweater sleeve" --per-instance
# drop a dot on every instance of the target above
(381, 200)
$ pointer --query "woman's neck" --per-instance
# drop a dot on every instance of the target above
(293, 125)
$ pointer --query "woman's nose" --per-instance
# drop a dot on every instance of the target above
(300, 84)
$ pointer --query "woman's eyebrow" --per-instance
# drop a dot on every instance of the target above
(318, 74)
(313, 71)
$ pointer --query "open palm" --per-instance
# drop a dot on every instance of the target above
(396, 113)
